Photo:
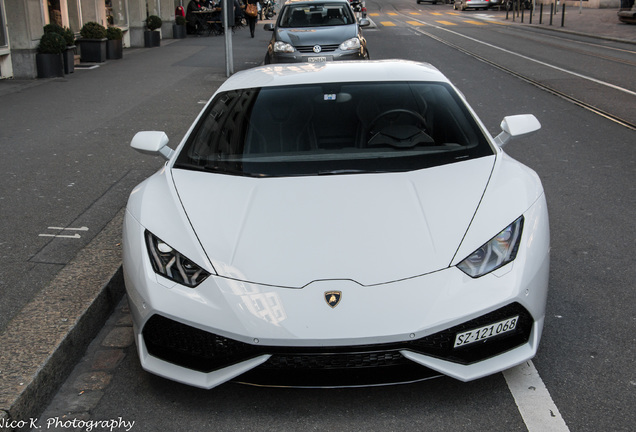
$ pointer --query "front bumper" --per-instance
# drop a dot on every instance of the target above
(229, 329)
(301, 57)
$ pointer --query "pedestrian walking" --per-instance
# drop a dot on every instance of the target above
(251, 13)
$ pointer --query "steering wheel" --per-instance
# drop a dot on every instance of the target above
(397, 135)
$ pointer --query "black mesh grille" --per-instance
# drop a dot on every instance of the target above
(322, 360)
(202, 351)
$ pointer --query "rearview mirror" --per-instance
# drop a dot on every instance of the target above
(154, 143)
(516, 126)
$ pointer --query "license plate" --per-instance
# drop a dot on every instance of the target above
(316, 59)
(486, 332)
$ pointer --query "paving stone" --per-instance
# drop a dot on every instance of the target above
(107, 359)
(83, 401)
(119, 337)
(96, 380)
(124, 321)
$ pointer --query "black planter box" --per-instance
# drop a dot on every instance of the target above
(69, 59)
(49, 65)
(152, 39)
(93, 50)
(114, 49)
(178, 31)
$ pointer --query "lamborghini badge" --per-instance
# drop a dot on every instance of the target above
(333, 298)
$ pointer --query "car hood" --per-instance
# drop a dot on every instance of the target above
(317, 35)
(369, 228)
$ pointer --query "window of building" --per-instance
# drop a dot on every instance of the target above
(117, 13)
(3, 30)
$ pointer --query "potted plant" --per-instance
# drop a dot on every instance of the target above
(93, 42)
(152, 38)
(179, 27)
(49, 59)
(114, 45)
(69, 52)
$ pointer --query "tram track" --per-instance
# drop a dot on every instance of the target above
(525, 77)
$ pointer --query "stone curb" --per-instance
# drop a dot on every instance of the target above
(40, 346)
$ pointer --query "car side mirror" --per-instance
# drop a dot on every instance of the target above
(153, 143)
(516, 126)
(269, 26)
(364, 22)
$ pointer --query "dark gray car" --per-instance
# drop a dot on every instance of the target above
(316, 31)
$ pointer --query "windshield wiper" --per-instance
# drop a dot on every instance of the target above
(215, 168)
(343, 171)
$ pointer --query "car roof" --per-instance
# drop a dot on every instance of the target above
(314, 1)
(341, 71)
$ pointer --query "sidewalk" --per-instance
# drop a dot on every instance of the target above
(599, 23)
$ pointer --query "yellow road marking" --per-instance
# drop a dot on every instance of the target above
(374, 14)
(415, 23)
(387, 23)
(435, 13)
(446, 23)
(414, 13)
(392, 14)
(475, 22)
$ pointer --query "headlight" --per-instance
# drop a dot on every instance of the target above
(351, 44)
(171, 264)
(498, 252)
(283, 47)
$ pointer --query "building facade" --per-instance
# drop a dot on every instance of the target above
(22, 22)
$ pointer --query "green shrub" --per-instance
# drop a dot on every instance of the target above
(114, 33)
(65, 32)
(153, 22)
(179, 20)
(52, 43)
(93, 30)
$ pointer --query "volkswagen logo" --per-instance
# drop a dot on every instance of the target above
(317, 48)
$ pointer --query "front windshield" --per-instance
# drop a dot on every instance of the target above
(334, 128)
(315, 15)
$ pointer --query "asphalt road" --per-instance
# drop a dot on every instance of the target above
(586, 161)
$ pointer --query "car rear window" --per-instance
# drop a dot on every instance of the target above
(340, 128)
(315, 15)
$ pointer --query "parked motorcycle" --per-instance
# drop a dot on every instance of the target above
(267, 9)
(359, 8)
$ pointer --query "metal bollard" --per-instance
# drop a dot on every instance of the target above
(563, 15)
(551, 12)
(522, 9)
(541, 13)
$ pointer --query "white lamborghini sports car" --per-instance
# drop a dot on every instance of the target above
(336, 224)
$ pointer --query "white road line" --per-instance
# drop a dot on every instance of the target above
(535, 404)
(74, 236)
